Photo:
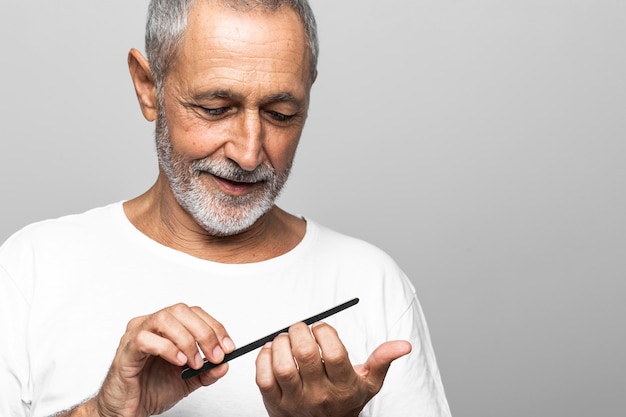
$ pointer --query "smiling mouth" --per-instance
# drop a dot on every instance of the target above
(234, 187)
(238, 181)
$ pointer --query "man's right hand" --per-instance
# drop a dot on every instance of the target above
(144, 378)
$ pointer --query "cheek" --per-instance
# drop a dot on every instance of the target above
(193, 139)
(281, 151)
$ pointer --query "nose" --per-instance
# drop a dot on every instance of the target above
(245, 145)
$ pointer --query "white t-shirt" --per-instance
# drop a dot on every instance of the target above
(68, 288)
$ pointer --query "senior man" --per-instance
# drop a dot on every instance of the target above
(227, 84)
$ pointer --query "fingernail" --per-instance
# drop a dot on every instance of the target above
(182, 359)
(198, 359)
(218, 354)
(228, 344)
(268, 345)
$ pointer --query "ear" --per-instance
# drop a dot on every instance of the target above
(144, 84)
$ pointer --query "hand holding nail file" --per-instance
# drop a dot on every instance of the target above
(190, 372)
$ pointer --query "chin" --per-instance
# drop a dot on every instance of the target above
(223, 225)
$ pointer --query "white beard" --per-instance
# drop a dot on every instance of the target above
(218, 213)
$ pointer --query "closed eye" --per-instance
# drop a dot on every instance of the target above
(280, 117)
(215, 112)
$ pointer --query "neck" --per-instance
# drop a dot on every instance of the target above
(158, 215)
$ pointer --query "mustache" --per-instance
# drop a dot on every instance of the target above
(231, 171)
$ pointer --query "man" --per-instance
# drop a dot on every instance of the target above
(227, 83)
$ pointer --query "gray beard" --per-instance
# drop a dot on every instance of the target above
(217, 213)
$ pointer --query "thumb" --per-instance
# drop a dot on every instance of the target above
(375, 368)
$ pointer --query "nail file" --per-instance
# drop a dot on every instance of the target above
(190, 372)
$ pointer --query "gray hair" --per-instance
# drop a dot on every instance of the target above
(167, 22)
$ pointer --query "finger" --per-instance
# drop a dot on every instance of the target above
(220, 332)
(375, 368)
(208, 378)
(202, 329)
(202, 333)
(210, 335)
(265, 380)
(334, 354)
(178, 324)
(306, 351)
(284, 367)
(146, 343)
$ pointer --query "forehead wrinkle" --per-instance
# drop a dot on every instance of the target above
(256, 52)
(246, 64)
(232, 59)
(248, 26)
(226, 79)
(259, 39)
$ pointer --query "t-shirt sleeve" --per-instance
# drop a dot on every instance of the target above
(14, 379)
(413, 386)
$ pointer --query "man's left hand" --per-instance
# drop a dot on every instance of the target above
(307, 373)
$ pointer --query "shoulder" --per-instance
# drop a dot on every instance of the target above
(55, 236)
(62, 226)
(347, 247)
(358, 263)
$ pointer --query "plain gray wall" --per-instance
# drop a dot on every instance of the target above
(481, 143)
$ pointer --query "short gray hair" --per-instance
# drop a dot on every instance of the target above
(167, 22)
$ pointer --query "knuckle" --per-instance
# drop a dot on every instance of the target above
(307, 353)
(141, 339)
(320, 398)
(208, 337)
(137, 342)
(217, 328)
(178, 308)
(333, 356)
(211, 322)
(284, 371)
(134, 323)
(160, 321)
(196, 310)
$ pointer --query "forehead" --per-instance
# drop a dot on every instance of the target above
(247, 46)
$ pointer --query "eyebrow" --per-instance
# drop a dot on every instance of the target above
(281, 97)
(284, 97)
(227, 94)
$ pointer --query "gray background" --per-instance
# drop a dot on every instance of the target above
(479, 142)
